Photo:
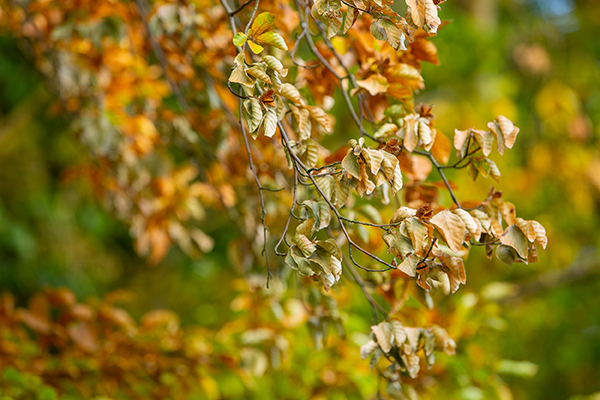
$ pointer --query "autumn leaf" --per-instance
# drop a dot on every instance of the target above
(424, 14)
(273, 39)
(451, 227)
(262, 23)
(374, 84)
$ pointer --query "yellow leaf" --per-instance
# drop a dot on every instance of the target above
(256, 48)
(262, 23)
(272, 38)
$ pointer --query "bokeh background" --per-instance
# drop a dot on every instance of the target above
(536, 326)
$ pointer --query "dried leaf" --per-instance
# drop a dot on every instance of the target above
(374, 84)
(270, 123)
(350, 164)
(424, 14)
(290, 92)
(451, 227)
(383, 333)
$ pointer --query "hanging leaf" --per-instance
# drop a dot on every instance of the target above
(254, 114)
(367, 349)
(273, 39)
(290, 92)
(424, 14)
(516, 239)
(312, 153)
(275, 65)
(257, 72)
(374, 84)
(394, 36)
(383, 334)
(262, 23)
(451, 227)
(239, 39)
(398, 332)
(270, 123)
(400, 246)
(350, 19)
(470, 223)
(485, 140)
(320, 116)
(256, 48)
(350, 164)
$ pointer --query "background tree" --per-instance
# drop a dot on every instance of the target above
(145, 87)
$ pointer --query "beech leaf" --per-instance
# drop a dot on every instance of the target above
(452, 228)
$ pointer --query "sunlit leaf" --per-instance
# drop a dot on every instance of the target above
(273, 39)
(239, 39)
(451, 227)
(256, 48)
(262, 23)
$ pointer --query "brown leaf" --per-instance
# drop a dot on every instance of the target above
(374, 84)
(452, 227)
(441, 147)
(424, 14)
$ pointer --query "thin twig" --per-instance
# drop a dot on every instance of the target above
(240, 8)
(143, 10)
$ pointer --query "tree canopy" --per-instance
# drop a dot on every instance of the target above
(285, 158)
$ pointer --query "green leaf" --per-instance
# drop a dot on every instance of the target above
(239, 39)
(515, 238)
(272, 38)
(506, 254)
(297, 261)
(320, 211)
(378, 31)
(398, 244)
(256, 48)
(262, 23)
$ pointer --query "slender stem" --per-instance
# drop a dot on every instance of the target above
(262, 200)
(240, 8)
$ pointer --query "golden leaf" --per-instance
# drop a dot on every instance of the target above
(424, 14)
(374, 84)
